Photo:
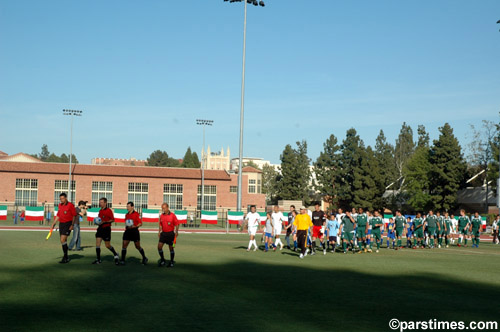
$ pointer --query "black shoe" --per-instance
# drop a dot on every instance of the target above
(171, 264)
(144, 261)
(97, 261)
(162, 263)
(64, 261)
(117, 260)
(122, 262)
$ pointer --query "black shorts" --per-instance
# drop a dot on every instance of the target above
(103, 233)
(132, 234)
(332, 238)
(64, 228)
(167, 238)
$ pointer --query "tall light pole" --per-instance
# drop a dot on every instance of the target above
(242, 107)
(71, 113)
(203, 154)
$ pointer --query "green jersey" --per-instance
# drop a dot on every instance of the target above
(432, 221)
(417, 222)
(374, 221)
(361, 220)
(348, 224)
(447, 222)
(441, 221)
(463, 222)
(476, 223)
(400, 221)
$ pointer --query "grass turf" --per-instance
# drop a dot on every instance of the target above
(217, 285)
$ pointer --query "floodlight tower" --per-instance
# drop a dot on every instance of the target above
(71, 113)
(203, 154)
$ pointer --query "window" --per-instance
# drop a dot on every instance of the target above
(102, 189)
(209, 198)
(172, 195)
(233, 189)
(138, 194)
(251, 186)
(61, 186)
(259, 187)
(26, 192)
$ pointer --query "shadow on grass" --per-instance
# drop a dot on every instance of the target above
(238, 296)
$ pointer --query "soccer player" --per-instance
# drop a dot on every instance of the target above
(376, 222)
(303, 224)
(268, 231)
(132, 234)
(454, 228)
(333, 226)
(319, 221)
(391, 233)
(409, 232)
(347, 227)
(277, 218)
(288, 227)
(66, 215)
(104, 231)
(400, 222)
(495, 226)
(433, 227)
(475, 229)
(168, 231)
(361, 221)
(463, 227)
(447, 228)
(418, 231)
(253, 220)
(441, 233)
(340, 215)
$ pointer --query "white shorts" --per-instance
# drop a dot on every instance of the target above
(252, 230)
(277, 231)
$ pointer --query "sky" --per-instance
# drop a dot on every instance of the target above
(144, 71)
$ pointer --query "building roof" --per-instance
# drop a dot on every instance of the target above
(3, 153)
(250, 169)
(20, 157)
(111, 170)
(476, 195)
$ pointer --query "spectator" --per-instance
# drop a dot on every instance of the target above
(495, 227)
(191, 220)
(21, 217)
(15, 215)
(49, 217)
(76, 240)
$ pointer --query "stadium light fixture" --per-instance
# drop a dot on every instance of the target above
(71, 113)
(242, 106)
(203, 123)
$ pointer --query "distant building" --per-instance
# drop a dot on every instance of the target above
(118, 162)
(19, 157)
(260, 162)
(216, 160)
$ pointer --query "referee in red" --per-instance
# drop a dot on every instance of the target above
(168, 231)
(66, 215)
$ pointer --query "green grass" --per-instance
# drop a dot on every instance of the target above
(217, 285)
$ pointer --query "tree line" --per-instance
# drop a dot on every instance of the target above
(412, 174)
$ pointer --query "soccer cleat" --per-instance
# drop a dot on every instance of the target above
(122, 262)
(171, 264)
(64, 261)
(97, 261)
(117, 260)
(248, 250)
(439, 246)
(447, 246)
(255, 249)
(458, 245)
(376, 250)
(324, 252)
(313, 253)
(365, 250)
(360, 252)
(301, 256)
(369, 250)
(162, 263)
(333, 251)
(144, 261)
(274, 249)
(345, 252)
(307, 251)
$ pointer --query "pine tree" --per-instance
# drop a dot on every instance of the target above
(384, 154)
(270, 179)
(160, 158)
(403, 150)
(296, 175)
(417, 185)
(44, 154)
(447, 170)
(348, 172)
(325, 168)
(187, 161)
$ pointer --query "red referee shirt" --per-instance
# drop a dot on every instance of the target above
(66, 212)
(134, 216)
(106, 215)
(168, 222)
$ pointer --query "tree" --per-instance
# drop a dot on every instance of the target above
(160, 158)
(417, 185)
(270, 179)
(251, 163)
(403, 150)
(325, 168)
(447, 169)
(44, 154)
(49, 157)
(295, 172)
(348, 172)
(423, 137)
(190, 159)
(384, 154)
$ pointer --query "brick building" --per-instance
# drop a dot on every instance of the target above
(24, 183)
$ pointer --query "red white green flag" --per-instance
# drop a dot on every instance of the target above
(3, 212)
(234, 217)
(120, 215)
(34, 213)
(181, 215)
(149, 215)
(209, 217)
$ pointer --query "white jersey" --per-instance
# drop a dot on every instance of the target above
(253, 219)
(309, 212)
(495, 225)
(277, 222)
(454, 223)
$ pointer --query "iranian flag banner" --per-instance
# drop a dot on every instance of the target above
(483, 222)
(234, 217)
(386, 219)
(34, 213)
(182, 216)
(149, 215)
(284, 220)
(120, 215)
(3, 212)
(263, 217)
(92, 213)
(209, 217)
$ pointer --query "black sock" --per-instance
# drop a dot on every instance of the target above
(142, 253)
(65, 250)
(172, 255)
(160, 252)
(124, 254)
(323, 245)
(98, 253)
(113, 251)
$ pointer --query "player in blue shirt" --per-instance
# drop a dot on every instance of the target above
(332, 226)
(391, 233)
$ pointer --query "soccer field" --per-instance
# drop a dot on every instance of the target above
(217, 285)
